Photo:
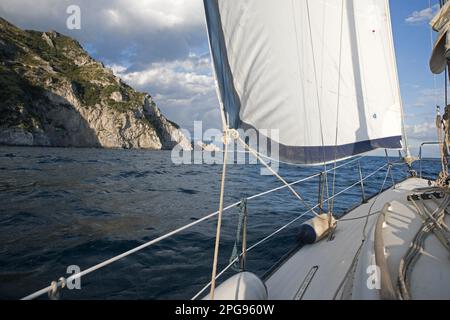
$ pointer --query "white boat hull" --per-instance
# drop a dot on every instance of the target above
(334, 269)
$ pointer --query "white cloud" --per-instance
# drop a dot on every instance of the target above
(183, 89)
(421, 128)
(421, 16)
(117, 69)
(422, 131)
(428, 98)
(160, 13)
(137, 31)
(148, 43)
(181, 75)
(129, 15)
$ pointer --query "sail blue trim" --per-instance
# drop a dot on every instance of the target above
(315, 155)
(311, 155)
(319, 155)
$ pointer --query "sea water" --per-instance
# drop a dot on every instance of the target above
(78, 207)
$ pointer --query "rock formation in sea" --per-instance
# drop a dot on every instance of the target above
(52, 93)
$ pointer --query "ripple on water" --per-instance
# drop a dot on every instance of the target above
(60, 207)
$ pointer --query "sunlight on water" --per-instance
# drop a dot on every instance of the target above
(62, 207)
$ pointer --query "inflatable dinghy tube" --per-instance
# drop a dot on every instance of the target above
(316, 229)
(242, 286)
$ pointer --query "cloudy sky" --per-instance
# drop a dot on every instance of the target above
(160, 46)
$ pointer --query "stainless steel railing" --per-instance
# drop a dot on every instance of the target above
(420, 154)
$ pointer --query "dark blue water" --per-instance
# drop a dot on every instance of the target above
(61, 207)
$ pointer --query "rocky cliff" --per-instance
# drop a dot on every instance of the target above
(52, 93)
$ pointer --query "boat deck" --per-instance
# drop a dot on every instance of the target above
(329, 270)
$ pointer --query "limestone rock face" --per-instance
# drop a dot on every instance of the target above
(170, 134)
(52, 93)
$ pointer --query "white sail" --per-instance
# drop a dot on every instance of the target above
(323, 72)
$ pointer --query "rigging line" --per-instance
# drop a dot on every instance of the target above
(397, 82)
(315, 77)
(356, 183)
(303, 87)
(430, 216)
(408, 261)
(446, 85)
(257, 244)
(286, 226)
(125, 254)
(432, 47)
(226, 138)
(217, 277)
(322, 60)
(315, 80)
(338, 104)
(373, 203)
(318, 102)
(172, 233)
(145, 245)
(321, 94)
(441, 148)
(301, 75)
(441, 215)
(413, 254)
(355, 258)
(296, 194)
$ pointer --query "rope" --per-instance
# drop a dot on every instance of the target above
(330, 215)
(364, 235)
(253, 247)
(338, 104)
(389, 163)
(415, 250)
(125, 254)
(435, 96)
(226, 136)
(179, 230)
(440, 231)
(315, 77)
(55, 292)
(234, 255)
(246, 146)
(397, 82)
(295, 220)
(408, 261)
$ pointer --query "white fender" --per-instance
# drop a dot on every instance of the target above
(242, 286)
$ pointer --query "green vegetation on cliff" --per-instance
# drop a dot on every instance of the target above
(31, 59)
(53, 93)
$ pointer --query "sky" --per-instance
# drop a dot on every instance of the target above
(160, 47)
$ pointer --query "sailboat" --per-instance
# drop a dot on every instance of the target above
(323, 73)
